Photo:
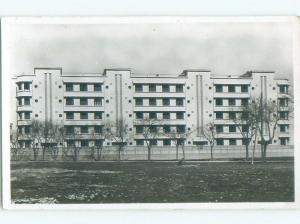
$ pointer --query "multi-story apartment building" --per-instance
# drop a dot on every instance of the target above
(186, 102)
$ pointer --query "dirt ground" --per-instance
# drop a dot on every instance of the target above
(132, 182)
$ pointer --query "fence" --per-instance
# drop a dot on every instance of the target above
(110, 153)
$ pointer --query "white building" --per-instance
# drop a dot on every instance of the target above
(183, 102)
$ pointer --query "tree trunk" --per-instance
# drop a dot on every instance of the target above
(149, 153)
(247, 151)
(177, 152)
(183, 153)
(120, 148)
(211, 153)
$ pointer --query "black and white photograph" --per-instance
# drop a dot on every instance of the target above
(149, 112)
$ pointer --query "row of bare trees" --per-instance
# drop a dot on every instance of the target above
(258, 119)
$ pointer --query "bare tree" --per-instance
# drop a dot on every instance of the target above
(98, 145)
(118, 133)
(246, 122)
(269, 114)
(73, 138)
(179, 139)
(36, 135)
(151, 131)
(14, 144)
(209, 133)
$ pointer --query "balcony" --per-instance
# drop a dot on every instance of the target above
(83, 108)
(163, 122)
(84, 94)
(231, 95)
(159, 108)
(76, 122)
(24, 108)
(159, 94)
(24, 122)
(22, 93)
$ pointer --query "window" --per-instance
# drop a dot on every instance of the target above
(180, 129)
(69, 115)
(97, 87)
(83, 115)
(152, 102)
(27, 129)
(179, 88)
(98, 143)
(98, 129)
(26, 86)
(219, 115)
(27, 115)
(232, 115)
(83, 87)
(244, 88)
(232, 141)
(139, 129)
(165, 88)
(219, 88)
(138, 87)
(179, 102)
(179, 115)
(284, 115)
(166, 102)
(139, 142)
(283, 102)
(152, 88)
(245, 115)
(231, 102)
(245, 128)
(83, 101)
(153, 142)
(70, 130)
(139, 102)
(70, 143)
(219, 128)
(20, 101)
(27, 101)
(219, 102)
(153, 129)
(283, 128)
(69, 101)
(20, 115)
(244, 102)
(245, 141)
(20, 128)
(152, 115)
(97, 101)
(19, 86)
(232, 128)
(284, 141)
(84, 143)
(167, 129)
(69, 87)
(231, 88)
(139, 115)
(97, 115)
(27, 144)
(84, 130)
(166, 115)
(220, 141)
(166, 142)
(283, 89)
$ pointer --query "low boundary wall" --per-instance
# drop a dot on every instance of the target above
(111, 153)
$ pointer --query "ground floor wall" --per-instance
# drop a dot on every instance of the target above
(141, 153)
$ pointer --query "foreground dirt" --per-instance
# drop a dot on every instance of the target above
(114, 182)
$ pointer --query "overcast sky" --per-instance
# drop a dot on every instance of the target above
(223, 48)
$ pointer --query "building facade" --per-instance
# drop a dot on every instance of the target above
(184, 103)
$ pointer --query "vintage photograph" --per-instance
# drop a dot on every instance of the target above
(129, 110)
